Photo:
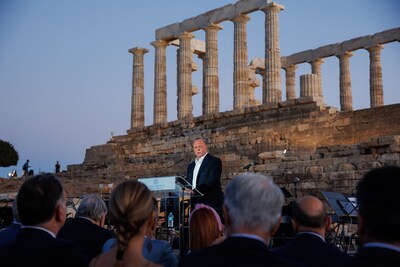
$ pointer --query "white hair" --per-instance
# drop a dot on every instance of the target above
(254, 201)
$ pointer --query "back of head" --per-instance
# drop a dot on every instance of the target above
(378, 199)
(253, 201)
(92, 207)
(205, 227)
(309, 212)
(130, 206)
(38, 198)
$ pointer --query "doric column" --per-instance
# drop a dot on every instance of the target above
(272, 88)
(185, 76)
(316, 69)
(308, 85)
(290, 82)
(160, 82)
(346, 100)
(375, 76)
(211, 82)
(240, 63)
(137, 105)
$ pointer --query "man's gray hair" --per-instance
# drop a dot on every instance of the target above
(254, 201)
(92, 207)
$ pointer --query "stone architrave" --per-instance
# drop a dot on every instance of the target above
(185, 76)
(291, 82)
(375, 78)
(211, 81)
(272, 88)
(240, 63)
(346, 99)
(137, 106)
(160, 82)
(316, 69)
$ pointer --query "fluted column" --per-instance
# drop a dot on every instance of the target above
(240, 63)
(137, 105)
(316, 69)
(272, 88)
(375, 76)
(185, 76)
(211, 82)
(346, 98)
(308, 85)
(291, 82)
(160, 82)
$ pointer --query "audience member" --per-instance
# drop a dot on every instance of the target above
(204, 173)
(205, 227)
(87, 228)
(252, 209)
(378, 201)
(8, 235)
(41, 204)
(131, 213)
(311, 222)
(157, 251)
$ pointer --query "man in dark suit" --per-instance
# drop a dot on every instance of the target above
(8, 235)
(87, 228)
(311, 222)
(41, 204)
(378, 201)
(204, 173)
(252, 209)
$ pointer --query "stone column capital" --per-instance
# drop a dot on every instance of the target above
(344, 55)
(316, 62)
(272, 7)
(213, 26)
(138, 51)
(375, 48)
(242, 18)
(159, 43)
(290, 68)
(185, 35)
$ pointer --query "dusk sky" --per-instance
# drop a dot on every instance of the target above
(66, 74)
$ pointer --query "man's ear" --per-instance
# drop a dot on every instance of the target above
(328, 222)
(228, 221)
(295, 226)
(276, 227)
(60, 214)
(102, 220)
(361, 227)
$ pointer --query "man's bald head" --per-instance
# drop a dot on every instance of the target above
(309, 211)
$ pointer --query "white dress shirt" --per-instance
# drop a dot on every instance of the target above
(197, 168)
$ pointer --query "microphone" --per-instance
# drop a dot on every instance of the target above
(296, 180)
(247, 167)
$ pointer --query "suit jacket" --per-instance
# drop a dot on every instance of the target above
(37, 248)
(7, 235)
(311, 250)
(235, 252)
(208, 182)
(376, 256)
(88, 235)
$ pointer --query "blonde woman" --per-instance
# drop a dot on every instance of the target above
(131, 212)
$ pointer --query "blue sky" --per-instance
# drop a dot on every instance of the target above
(65, 70)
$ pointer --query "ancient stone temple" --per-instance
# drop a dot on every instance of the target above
(285, 135)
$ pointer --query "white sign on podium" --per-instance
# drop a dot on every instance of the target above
(159, 183)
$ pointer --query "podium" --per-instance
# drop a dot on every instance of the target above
(174, 194)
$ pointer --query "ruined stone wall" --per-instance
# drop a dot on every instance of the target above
(327, 149)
